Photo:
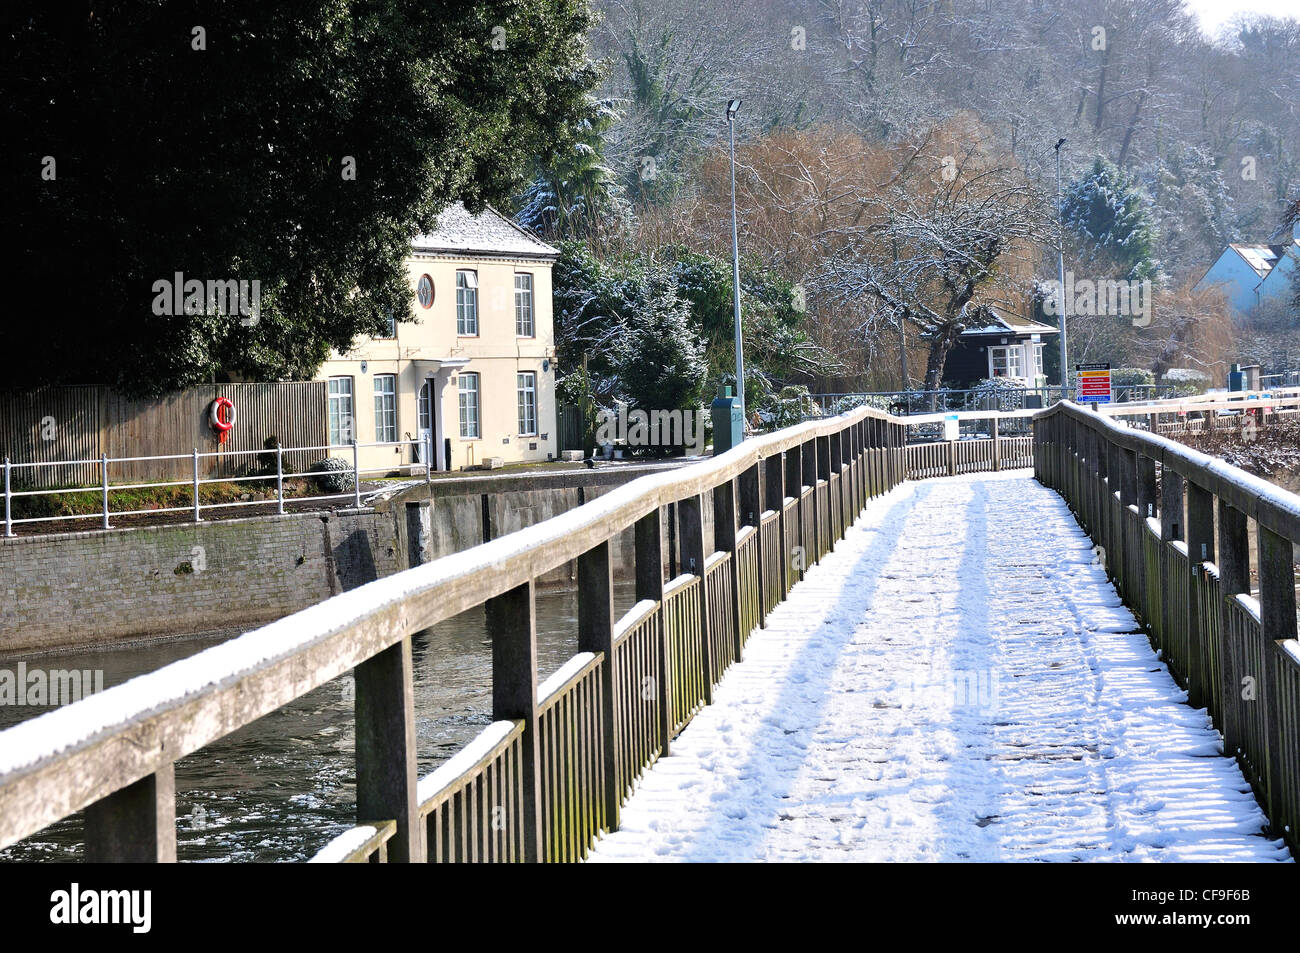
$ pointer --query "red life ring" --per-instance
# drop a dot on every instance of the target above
(219, 423)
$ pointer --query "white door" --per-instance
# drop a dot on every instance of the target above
(426, 421)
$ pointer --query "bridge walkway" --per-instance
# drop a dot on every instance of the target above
(957, 681)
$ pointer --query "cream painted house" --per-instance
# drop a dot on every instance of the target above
(474, 376)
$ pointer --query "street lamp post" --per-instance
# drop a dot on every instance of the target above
(1060, 274)
(733, 107)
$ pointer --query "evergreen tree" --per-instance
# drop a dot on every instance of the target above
(1110, 218)
(299, 145)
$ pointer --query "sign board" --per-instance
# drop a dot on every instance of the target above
(1093, 382)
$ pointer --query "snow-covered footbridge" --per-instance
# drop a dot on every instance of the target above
(830, 656)
(958, 680)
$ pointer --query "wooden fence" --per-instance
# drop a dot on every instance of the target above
(1174, 526)
(559, 760)
(951, 457)
(87, 423)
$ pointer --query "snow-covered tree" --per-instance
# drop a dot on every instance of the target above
(1109, 217)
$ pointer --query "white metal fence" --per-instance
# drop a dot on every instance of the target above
(14, 474)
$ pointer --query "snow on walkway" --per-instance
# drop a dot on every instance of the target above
(957, 681)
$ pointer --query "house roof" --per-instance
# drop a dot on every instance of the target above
(488, 233)
(1261, 258)
(1004, 323)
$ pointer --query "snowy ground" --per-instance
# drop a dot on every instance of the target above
(957, 681)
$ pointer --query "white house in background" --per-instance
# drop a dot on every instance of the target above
(474, 376)
(1253, 276)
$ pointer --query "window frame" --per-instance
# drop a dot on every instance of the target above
(461, 394)
(520, 391)
(333, 412)
(381, 412)
(1007, 350)
(467, 288)
(532, 305)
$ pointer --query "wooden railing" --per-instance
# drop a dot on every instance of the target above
(951, 457)
(1173, 529)
(552, 771)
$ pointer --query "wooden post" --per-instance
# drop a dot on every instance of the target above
(596, 634)
(751, 514)
(512, 626)
(1234, 577)
(690, 517)
(650, 585)
(825, 523)
(809, 454)
(724, 540)
(997, 445)
(1277, 619)
(385, 749)
(794, 490)
(774, 493)
(1147, 498)
(1200, 549)
(136, 824)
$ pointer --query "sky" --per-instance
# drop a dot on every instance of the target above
(1215, 13)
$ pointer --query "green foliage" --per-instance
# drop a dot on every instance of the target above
(772, 319)
(336, 475)
(575, 195)
(1130, 376)
(1110, 217)
(627, 318)
(231, 162)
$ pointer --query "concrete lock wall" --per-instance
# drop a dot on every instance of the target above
(74, 589)
(82, 588)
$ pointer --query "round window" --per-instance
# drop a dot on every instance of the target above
(424, 292)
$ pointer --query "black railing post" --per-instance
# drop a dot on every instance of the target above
(690, 518)
(650, 585)
(512, 627)
(385, 749)
(751, 514)
(774, 493)
(596, 634)
(724, 540)
(1277, 619)
(1234, 578)
(1200, 549)
(136, 824)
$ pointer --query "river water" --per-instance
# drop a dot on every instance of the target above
(282, 787)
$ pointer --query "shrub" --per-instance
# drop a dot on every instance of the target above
(1130, 376)
(336, 475)
(998, 393)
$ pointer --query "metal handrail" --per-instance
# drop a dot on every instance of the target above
(105, 487)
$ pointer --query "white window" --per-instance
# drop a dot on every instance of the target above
(391, 326)
(467, 303)
(469, 414)
(1007, 361)
(340, 410)
(524, 326)
(1038, 360)
(385, 407)
(527, 384)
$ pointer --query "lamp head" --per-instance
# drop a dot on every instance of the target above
(733, 107)
(1059, 143)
